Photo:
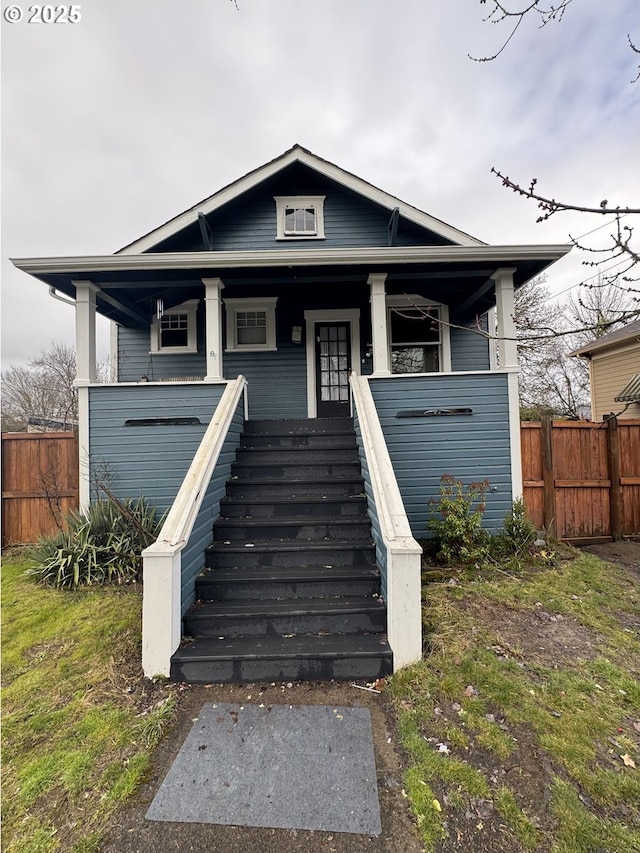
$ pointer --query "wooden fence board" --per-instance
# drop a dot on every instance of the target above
(581, 480)
(39, 483)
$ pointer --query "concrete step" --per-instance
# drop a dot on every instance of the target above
(252, 530)
(298, 581)
(249, 488)
(251, 618)
(294, 506)
(308, 657)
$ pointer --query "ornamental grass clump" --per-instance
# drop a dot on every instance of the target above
(456, 521)
(100, 546)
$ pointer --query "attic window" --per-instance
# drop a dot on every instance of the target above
(300, 217)
(175, 331)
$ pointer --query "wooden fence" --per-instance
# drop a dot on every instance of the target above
(39, 483)
(582, 479)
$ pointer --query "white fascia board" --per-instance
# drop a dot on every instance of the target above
(329, 170)
(500, 255)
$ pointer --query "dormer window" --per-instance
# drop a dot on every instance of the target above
(300, 217)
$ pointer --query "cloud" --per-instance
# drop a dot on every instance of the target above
(116, 124)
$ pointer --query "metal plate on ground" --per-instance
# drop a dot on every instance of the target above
(278, 766)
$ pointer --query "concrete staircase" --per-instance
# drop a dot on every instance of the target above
(291, 590)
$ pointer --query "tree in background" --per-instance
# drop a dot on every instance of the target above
(551, 382)
(43, 389)
(619, 280)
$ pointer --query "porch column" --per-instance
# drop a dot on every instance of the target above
(505, 315)
(85, 332)
(508, 361)
(85, 375)
(379, 343)
(213, 328)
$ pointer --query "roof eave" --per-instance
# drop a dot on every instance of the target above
(85, 265)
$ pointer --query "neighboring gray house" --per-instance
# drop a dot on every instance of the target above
(299, 292)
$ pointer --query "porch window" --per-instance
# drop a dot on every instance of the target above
(251, 324)
(300, 217)
(415, 339)
(175, 331)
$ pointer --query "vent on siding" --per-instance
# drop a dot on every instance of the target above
(432, 413)
(143, 422)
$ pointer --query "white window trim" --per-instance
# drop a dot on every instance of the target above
(314, 201)
(413, 300)
(190, 308)
(233, 306)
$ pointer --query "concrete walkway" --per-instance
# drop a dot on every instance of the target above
(131, 832)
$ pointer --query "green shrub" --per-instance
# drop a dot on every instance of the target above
(519, 528)
(456, 521)
(103, 545)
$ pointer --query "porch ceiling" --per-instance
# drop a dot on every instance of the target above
(458, 276)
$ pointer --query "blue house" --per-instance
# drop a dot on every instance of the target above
(298, 358)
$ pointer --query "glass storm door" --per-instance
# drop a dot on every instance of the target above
(333, 362)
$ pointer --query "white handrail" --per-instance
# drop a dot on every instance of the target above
(394, 523)
(162, 561)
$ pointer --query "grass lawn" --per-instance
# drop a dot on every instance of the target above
(78, 721)
(522, 724)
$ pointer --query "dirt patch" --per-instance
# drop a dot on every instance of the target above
(130, 832)
(477, 826)
(540, 637)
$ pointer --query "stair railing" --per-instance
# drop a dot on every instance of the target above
(397, 552)
(162, 561)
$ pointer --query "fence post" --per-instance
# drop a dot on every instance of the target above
(549, 495)
(613, 464)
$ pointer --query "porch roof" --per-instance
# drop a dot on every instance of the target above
(458, 276)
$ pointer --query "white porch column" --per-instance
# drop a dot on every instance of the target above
(85, 375)
(505, 315)
(508, 357)
(85, 331)
(379, 343)
(213, 328)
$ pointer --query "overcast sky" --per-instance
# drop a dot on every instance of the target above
(114, 124)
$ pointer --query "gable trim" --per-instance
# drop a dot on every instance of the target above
(297, 154)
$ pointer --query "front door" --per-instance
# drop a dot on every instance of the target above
(333, 363)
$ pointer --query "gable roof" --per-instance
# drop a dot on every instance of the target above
(297, 154)
(618, 336)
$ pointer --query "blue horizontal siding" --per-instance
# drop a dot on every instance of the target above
(469, 350)
(250, 222)
(471, 447)
(151, 460)
(277, 381)
(135, 359)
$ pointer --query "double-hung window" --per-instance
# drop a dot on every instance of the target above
(300, 217)
(251, 324)
(417, 335)
(175, 330)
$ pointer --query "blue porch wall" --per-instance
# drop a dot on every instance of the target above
(470, 447)
(147, 460)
